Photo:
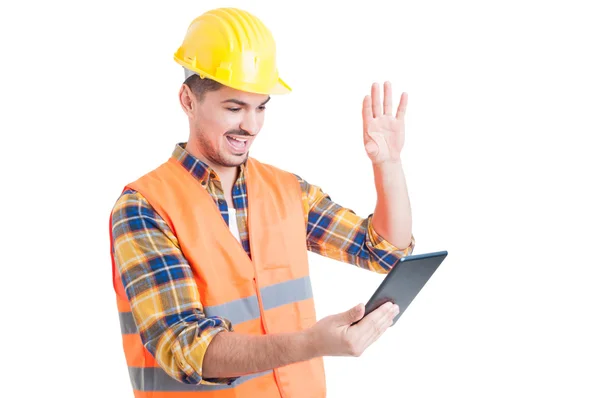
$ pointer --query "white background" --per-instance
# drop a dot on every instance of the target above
(501, 160)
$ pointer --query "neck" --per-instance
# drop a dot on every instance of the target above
(227, 175)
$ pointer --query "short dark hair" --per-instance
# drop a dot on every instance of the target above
(201, 86)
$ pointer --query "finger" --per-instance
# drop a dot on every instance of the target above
(365, 326)
(367, 114)
(352, 315)
(372, 327)
(382, 326)
(376, 100)
(387, 98)
(402, 106)
(384, 322)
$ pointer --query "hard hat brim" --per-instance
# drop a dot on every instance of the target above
(280, 87)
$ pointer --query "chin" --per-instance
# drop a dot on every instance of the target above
(235, 160)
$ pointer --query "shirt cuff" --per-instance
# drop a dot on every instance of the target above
(386, 252)
(208, 336)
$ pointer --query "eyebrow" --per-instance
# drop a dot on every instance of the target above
(242, 103)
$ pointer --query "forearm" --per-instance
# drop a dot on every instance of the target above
(392, 217)
(232, 354)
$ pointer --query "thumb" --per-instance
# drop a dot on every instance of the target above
(372, 148)
(352, 315)
(374, 142)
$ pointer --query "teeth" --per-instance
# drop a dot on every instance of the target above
(238, 139)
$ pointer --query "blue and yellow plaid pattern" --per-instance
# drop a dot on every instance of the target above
(159, 283)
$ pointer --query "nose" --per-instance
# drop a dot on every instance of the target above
(250, 123)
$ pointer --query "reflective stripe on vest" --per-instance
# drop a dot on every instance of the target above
(246, 309)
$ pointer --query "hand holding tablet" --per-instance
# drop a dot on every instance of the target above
(336, 335)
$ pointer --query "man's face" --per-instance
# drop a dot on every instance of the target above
(226, 122)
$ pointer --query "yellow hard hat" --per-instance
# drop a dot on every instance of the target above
(234, 48)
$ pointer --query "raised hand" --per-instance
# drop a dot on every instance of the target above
(383, 133)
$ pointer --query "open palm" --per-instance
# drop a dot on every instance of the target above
(383, 133)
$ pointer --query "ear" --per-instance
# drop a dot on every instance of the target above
(187, 100)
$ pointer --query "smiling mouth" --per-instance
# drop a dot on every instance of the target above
(238, 144)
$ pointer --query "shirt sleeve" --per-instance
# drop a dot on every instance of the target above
(339, 233)
(162, 292)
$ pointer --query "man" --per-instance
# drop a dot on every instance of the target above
(210, 264)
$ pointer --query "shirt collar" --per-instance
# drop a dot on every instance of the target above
(196, 167)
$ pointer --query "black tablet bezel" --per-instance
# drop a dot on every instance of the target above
(382, 294)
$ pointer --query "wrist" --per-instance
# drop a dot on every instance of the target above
(311, 343)
(388, 165)
(387, 174)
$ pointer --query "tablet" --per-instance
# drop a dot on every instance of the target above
(406, 279)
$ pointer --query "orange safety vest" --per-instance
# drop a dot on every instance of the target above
(270, 293)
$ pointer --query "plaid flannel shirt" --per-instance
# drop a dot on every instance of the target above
(159, 283)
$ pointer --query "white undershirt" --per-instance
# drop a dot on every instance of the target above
(233, 227)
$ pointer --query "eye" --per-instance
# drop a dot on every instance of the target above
(234, 109)
(262, 108)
